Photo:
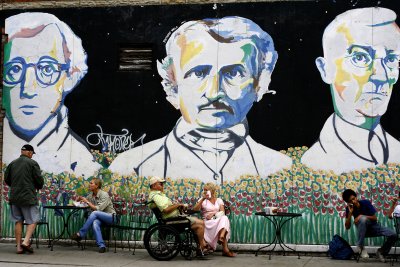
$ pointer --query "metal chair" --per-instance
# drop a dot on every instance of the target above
(140, 217)
(396, 222)
(137, 219)
(42, 222)
(227, 206)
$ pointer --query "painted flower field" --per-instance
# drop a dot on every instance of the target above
(314, 194)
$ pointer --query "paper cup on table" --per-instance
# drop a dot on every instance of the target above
(271, 210)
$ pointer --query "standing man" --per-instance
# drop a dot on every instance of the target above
(361, 66)
(367, 224)
(24, 178)
(214, 71)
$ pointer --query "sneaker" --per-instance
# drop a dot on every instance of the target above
(102, 250)
(76, 237)
(379, 256)
(364, 254)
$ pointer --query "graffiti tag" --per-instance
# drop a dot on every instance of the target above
(113, 142)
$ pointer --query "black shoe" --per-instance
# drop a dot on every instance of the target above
(27, 248)
(76, 237)
(102, 250)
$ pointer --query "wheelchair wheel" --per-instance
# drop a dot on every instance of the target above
(162, 242)
(189, 245)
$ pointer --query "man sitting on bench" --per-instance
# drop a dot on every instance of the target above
(394, 209)
(367, 224)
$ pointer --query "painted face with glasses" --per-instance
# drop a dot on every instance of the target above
(47, 70)
(34, 72)
(362, 66)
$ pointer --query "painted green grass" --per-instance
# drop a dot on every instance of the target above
(314, 194)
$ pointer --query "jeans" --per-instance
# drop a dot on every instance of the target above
(95, 221)
(368, 228)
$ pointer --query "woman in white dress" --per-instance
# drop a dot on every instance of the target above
(217, 226)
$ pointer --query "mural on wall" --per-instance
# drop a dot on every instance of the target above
(361, 65)
(214, 71)
(43, 62)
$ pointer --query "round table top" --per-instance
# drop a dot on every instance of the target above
(279, 214)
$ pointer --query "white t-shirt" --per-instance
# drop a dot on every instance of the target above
(396, 212)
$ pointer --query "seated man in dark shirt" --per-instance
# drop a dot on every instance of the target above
(367, 224)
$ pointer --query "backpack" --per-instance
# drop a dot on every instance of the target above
(339, 249)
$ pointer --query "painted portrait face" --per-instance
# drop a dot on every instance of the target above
(214, 79)
(362, 68)
(34, 74)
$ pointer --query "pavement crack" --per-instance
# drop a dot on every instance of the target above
(306, 263)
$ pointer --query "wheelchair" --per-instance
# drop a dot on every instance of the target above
(167, 238)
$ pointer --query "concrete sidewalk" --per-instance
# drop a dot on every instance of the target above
(70, 255)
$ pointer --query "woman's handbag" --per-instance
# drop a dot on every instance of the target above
(218, 214)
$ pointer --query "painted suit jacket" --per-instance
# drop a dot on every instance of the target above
(344, 147)
(170, 157)
(58, 149)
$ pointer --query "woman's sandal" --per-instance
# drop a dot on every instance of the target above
(229, 254)
(209, 248)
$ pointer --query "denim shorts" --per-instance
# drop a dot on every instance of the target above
(29, 214)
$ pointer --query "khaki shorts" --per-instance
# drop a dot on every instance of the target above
(192, 219)
(184, 219)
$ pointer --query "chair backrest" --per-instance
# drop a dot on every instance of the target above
(227, 206)
(120, 209)
(156, 211)
(397, 224)
(140, 215)
(119, 206)
(42, 214)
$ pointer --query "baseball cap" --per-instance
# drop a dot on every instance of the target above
(156, 179)
(28, 148)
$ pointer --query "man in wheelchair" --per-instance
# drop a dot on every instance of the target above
(170, 210)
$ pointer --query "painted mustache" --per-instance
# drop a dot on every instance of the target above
(217, 104)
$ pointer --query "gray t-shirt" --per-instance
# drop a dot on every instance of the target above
(102, 202)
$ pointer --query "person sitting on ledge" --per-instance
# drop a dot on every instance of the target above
(367, 224)
(394, 210)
